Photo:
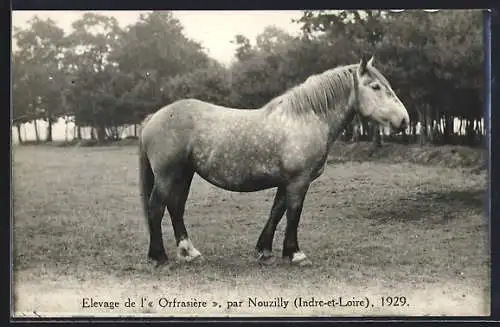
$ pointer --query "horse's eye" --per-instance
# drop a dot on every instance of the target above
(376, 87)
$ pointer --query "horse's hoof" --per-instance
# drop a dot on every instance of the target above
(197, 258)
(303, 263)
(186, 252)
(300, 259)
(265, 258)
(161, 263)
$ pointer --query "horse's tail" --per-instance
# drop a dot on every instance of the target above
(146, 179)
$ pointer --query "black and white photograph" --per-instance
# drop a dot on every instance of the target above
(293, 163)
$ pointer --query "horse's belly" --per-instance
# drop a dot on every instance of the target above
(240, 176)
(246, 185)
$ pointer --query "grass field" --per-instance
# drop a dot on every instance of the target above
(371, 230)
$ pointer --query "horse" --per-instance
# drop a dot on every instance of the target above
(282, 145)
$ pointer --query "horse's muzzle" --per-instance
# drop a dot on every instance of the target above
(402, 126)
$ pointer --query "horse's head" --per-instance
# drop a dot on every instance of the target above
(376, 99)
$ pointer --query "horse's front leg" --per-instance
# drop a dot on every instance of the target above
(295, 195)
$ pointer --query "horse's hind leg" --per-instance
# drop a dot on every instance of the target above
(264, 246)
(156, 210)
(176, 203)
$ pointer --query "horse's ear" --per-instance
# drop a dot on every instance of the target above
(362, 66)
(370, 61)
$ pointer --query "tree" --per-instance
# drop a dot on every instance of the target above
(151, 52)
(156, 42)
(436, 66)
(20, 102)
(40, 45)
(94, 37)
(260, 72)
(459, 70)
(433, 60)
(244, 49)
(254, 82)
(273, 40)
(209, 84)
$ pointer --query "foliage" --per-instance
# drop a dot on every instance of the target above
(433, 60)
(107, 76)
(36, 68)
(208, 84)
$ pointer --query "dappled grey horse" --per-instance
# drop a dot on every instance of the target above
(284, 144)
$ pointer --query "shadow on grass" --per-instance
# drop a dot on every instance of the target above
(434, 208)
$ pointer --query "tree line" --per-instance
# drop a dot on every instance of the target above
(106, 77)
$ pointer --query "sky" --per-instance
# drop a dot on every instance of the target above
(213, 29)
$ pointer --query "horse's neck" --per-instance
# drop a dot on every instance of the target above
(336, 118)
(339, 122)
(342, 113)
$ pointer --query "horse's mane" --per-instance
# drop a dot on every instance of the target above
(320, 93)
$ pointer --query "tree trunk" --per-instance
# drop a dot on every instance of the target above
(423, 127)
(481, 129)
(478, 132)
(79, 133)
(429, 124)
(355, 133)
(448, 128)
(25, 137)
(49, 130)
(135, 130)
(66, 130)
(377, 138)
(115, 133)
(469, 131)
(435, 129)
(364, 125)
(19, 138)
(348, 132)
(404, 136)
(413, 131)
(101, 134)
(37, 136)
